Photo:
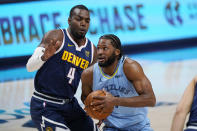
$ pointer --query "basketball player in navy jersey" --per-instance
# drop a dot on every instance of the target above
(187, 104)
(128, 89)
(60, 59)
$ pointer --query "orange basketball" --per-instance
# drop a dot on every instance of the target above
(89, 108)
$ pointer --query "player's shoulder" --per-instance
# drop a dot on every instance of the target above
(87, 74)
(128, 62)
(88, 71)
(133, 70)
(51, 37)
(54, 33)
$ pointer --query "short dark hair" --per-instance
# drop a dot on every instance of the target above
(79, 7)
(115, 42)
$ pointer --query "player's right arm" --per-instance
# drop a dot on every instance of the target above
(50, 43)
(87, 82)
(184, 107)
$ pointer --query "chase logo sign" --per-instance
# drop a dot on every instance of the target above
(133, 21)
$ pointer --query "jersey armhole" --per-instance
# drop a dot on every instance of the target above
(92, 46)
(62, 43)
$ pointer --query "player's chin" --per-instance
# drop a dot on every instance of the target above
(101, 64)
(82, 34)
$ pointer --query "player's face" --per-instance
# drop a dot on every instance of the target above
(106, 53)
(79, 23)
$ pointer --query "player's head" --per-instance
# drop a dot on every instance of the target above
(79, 20)
(108, 50)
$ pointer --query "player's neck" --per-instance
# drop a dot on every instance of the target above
(110, 70)
(80, 42)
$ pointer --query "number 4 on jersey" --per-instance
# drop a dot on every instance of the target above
(71, 74)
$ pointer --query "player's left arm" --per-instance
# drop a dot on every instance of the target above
(184, 106)
(87, 81)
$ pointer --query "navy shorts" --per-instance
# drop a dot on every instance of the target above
(68, 116)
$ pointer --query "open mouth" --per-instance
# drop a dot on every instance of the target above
(82, 31)
(101, 59)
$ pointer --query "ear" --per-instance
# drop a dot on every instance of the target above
(117, 52)
(69, 21)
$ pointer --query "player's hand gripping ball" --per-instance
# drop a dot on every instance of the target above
(96, 114)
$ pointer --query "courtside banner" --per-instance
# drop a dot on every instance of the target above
(22, 25)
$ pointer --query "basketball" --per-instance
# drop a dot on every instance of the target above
(99, 115)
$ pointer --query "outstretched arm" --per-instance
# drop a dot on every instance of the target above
(184, 107)
(50, 43)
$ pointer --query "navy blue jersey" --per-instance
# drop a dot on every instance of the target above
(60, 75)
(193, 112)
